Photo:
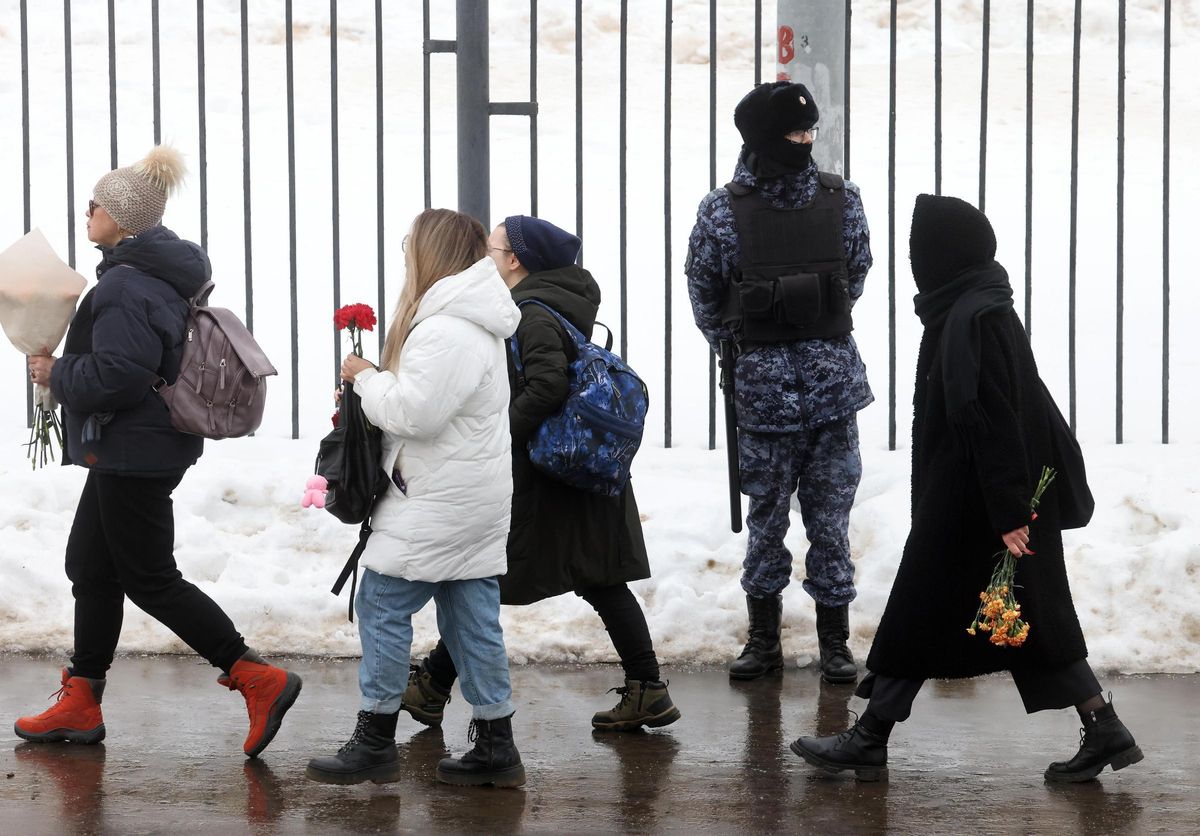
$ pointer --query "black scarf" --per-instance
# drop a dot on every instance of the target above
(956, 307)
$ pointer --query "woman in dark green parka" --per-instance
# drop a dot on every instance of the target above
(983, 429)
(561, 539)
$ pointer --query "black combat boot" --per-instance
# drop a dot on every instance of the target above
(857, 748)
(494, 760)
(833, 628)
(763, 652)
(1103, 741)
(369, 754)
(424, 698)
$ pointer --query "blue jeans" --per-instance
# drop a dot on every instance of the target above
(468, 617)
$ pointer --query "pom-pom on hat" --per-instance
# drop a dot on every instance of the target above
(772, 110)
(948, 236)
(136, 196)
(540, 245)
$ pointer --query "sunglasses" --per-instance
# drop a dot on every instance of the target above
(91, 207)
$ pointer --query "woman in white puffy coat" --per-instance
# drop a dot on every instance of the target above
(440, 395)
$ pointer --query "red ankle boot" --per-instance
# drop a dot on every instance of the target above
(269, 693)
(74, 718)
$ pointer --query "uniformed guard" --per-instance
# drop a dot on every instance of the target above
(775, 263)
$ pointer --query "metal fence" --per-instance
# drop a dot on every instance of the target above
(869, 133)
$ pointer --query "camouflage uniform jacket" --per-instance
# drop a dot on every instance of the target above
(790, 386)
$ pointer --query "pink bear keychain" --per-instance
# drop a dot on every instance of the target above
(314, 492)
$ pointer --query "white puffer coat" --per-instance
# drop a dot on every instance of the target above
(445, 421)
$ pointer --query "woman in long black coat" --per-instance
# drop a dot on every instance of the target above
(561, 539)
(983, 428)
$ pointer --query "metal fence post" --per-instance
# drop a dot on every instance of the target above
(812, 43)
(474, 164)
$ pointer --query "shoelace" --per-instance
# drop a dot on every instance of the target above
(61, 693)
(623, 690)
(844, 737)
(360, 729)
(473, 736)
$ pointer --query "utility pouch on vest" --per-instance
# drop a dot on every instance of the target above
(799, 299)
(792, 283)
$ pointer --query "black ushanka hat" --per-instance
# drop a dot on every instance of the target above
(770, 112)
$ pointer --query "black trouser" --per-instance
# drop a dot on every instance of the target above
(892, 697)
(622, 617)
(122, 544)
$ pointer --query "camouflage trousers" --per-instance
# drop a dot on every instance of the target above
(822, 467)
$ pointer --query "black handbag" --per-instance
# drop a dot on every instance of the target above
(1075, 501)
(348, 458)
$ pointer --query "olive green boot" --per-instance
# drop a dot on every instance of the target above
(424, 699)
(642, 704)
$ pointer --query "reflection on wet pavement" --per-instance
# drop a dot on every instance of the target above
(969, 759)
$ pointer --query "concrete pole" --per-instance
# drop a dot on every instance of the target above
(811, 41)
(474, 137)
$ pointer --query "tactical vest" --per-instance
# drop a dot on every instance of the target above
(792, 283)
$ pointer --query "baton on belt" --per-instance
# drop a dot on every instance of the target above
(731, 438)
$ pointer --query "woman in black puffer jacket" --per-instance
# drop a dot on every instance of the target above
(126, 338)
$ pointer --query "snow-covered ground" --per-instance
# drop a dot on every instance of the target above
(240, 532)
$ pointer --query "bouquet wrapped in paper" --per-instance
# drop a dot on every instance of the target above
(38, 293)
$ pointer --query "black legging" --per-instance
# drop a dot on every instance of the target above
(122, 544)
(622, 617)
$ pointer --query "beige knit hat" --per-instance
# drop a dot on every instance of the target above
(136, 196)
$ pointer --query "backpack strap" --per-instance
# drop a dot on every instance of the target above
(350, 570)
(608, 341)
(200, 300)
(572, 332)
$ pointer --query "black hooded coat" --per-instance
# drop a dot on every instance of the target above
(973, 475)
(128, 333)
(561, 539)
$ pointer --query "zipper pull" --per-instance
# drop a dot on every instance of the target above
(221, 375)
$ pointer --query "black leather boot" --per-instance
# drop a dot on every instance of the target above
(1103, 741)
(763, 653)
(856, 748)
(369, 754)
(833, 628)
(494, 760)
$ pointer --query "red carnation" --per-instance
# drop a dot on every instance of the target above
(355, 316)
(355, 319)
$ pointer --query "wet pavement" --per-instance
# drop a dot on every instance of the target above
(968, 760)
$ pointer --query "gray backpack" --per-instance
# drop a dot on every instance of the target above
(222, 385)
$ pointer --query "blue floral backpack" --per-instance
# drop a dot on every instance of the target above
(590, 443)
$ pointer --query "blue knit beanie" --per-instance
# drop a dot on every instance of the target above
(540, 245)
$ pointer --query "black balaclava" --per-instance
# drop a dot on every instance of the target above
(765, 116)
(948, 236)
